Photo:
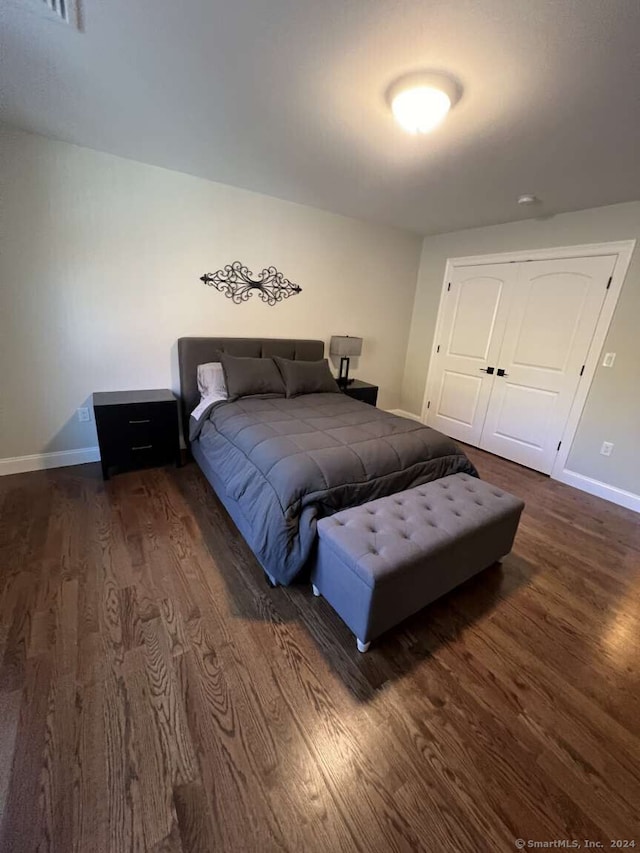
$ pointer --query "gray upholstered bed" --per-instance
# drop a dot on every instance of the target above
(278, 464)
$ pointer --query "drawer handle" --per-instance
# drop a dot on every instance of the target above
(143, 447)
(143, 421)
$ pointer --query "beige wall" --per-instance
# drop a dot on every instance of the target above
(612, 410)
(99, 265)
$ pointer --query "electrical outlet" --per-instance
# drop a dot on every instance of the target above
(83, 414)
(607, 448)
(609, 358)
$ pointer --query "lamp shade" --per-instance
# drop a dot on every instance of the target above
(345, 345)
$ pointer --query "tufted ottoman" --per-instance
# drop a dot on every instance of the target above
(380, 562)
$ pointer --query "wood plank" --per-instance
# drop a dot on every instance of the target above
(55, 817)
(168, 710)
(174, 626)
(194, 821)
(154, 766)
(91, 789)
(9, 718)
(18, 601)
(19, 829)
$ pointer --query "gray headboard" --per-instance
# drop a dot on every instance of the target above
(195, 351)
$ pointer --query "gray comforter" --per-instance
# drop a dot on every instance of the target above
(285, 463)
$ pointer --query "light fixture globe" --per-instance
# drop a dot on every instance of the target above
(421, 101)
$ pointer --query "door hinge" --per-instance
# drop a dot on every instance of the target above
(559, 443)
(438, 350)
(582, 370)
(428, 404)
(449, 286)
(609, 282)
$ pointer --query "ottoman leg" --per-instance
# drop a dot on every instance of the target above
(316, 591)
(362, 647)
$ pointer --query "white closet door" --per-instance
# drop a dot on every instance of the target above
(553, 316)
(474, 312)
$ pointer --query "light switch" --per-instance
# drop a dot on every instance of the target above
(609, 358)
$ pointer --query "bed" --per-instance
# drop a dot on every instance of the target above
(279, 465)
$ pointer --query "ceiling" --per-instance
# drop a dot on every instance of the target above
(286, 97)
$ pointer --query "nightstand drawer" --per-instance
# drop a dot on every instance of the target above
(136, 415)
(140, 455)
(147, 439)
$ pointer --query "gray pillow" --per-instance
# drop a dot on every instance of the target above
(306, 377)
(247, 377)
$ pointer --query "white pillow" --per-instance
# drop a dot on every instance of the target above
(211, 380)
(205, 403)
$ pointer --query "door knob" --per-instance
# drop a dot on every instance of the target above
(487, 369)
(501, 372)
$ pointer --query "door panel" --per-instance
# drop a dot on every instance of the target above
(476, 306)
(524, 413)
(560, 325)
(474, 312)
(459, 397)
(554, 311)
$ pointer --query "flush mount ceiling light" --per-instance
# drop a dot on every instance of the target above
(527, 199)
(421, 101)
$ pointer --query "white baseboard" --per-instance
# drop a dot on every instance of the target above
(41, 461)
(600, 489)
(402, 414)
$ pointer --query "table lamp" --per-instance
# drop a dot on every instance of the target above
(346, 347)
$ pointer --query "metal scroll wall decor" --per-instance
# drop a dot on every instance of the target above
(237, 282)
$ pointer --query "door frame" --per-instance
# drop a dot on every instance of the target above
(622, 249)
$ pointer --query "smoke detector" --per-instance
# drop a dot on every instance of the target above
(64, 10)
(60, 11)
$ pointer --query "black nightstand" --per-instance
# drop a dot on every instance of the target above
(361, 391)
(136, 428)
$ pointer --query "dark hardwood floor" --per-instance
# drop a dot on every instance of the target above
(156, 695)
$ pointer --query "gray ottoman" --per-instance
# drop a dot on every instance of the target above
(381, 562)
